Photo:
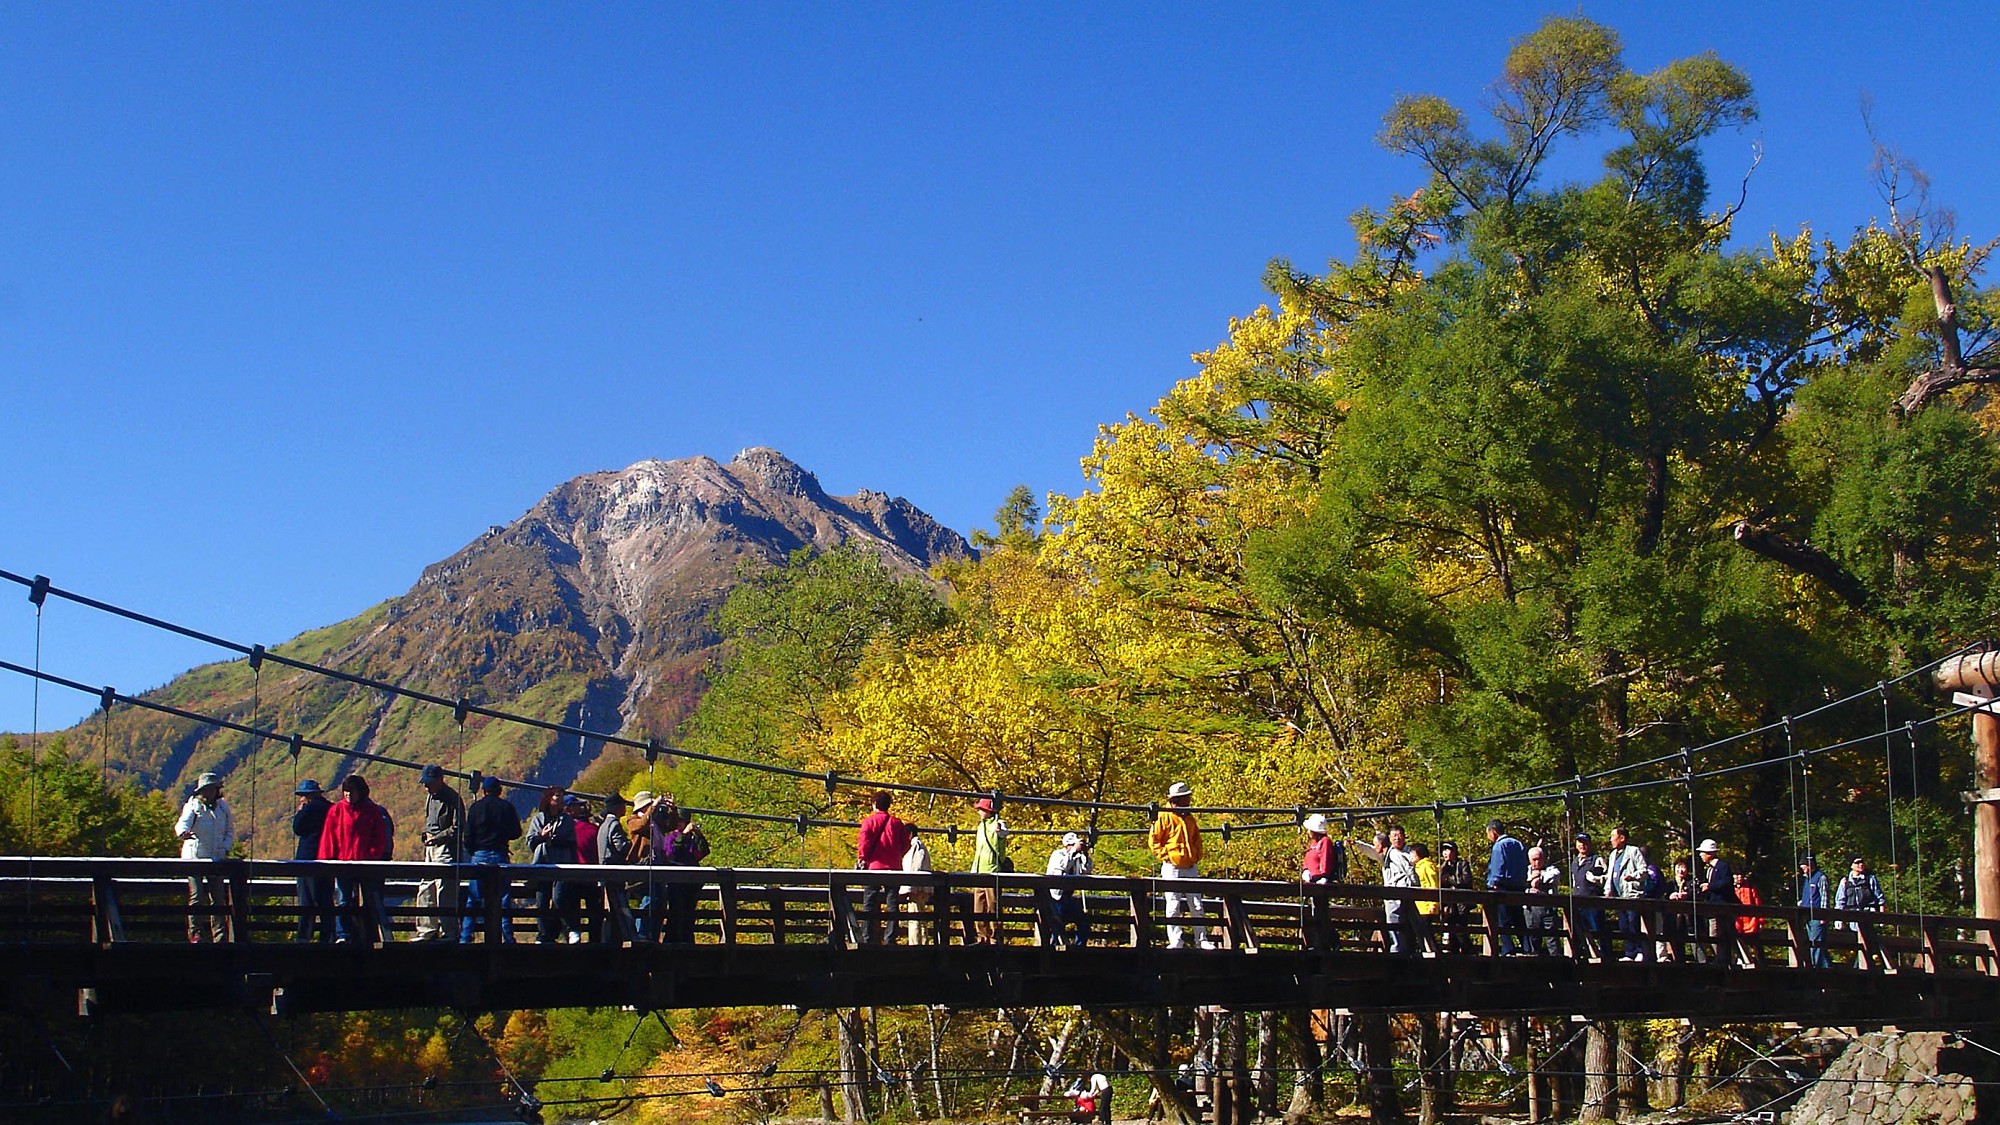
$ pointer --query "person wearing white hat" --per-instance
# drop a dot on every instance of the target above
(1071, 858)
(206, 830)
(1176, 842)
(1317, 869)
(1718, 884)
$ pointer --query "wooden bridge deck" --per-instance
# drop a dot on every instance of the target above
(99, 936)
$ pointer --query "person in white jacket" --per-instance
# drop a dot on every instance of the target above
(207, 830)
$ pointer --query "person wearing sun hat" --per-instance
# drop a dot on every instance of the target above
(315, 895)
(206, 830)
(1316, 868)
(989, 857)
(1175, 841)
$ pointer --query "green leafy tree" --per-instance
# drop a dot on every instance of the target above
(796, 637)
(56, 804)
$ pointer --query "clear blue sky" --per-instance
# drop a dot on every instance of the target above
(297, 298)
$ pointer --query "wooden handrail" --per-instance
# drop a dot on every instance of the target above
(115, 901)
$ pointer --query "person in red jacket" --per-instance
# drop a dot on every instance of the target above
(879, 846)
(357, 829)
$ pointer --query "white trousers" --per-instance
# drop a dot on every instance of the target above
(1182, 905)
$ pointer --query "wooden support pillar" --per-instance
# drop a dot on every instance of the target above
(1978, 674)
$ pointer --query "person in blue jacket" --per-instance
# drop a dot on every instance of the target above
(1812, 896)
(1507, 870)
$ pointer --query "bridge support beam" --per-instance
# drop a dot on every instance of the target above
(1978, 675)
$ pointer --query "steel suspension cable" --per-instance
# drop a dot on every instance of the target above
(1526, 795)
(1889, 787)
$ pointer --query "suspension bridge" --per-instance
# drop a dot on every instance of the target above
(105, 935)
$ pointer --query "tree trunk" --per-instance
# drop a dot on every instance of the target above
(1058, 1048)
(853, 1106)
(1600, 1071)
(1378, 1061)
(1174, 1104)
(1435, 1099)
(1242, 1090)
(1632, 1093)
(1309, 1079)
(1267, 1064)
(937, 1071)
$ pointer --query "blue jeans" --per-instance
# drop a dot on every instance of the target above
(359, 910)
(475, 901)
(1816, 938)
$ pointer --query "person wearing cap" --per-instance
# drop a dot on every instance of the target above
(1175, 840)
(443, 838)
(1718, 885)
(207, 829)
(879, 844)
(491, 824)
(1070, 858)
(1858, 890)
(989, 857)
(315, 895)
(1316, 869)
(1813, 892)
(639, 829)
(357, 829)
(1454, 874)
(1587, 879)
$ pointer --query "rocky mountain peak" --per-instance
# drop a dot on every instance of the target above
(594, 608)
(772, 470)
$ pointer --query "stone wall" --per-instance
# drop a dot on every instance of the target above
(1915, 1078)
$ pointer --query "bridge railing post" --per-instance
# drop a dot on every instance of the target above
(1142, 918)
(841, 906)
(239, 901)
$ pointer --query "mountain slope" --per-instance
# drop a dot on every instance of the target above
(594, 608)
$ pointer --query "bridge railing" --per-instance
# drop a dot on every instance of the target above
(114, 902)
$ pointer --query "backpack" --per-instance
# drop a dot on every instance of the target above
(1651, 883)
(1336, 863)
(918, 857)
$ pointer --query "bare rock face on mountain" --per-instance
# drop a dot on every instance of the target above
(594, 608)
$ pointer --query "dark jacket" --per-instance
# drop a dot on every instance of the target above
(490, 824)
(307, 824)
(551, 839)
(444, 823)
(1720, 884)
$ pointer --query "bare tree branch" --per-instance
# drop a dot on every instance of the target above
(1804, 558)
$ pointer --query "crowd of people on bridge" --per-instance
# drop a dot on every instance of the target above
(1613, 885)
